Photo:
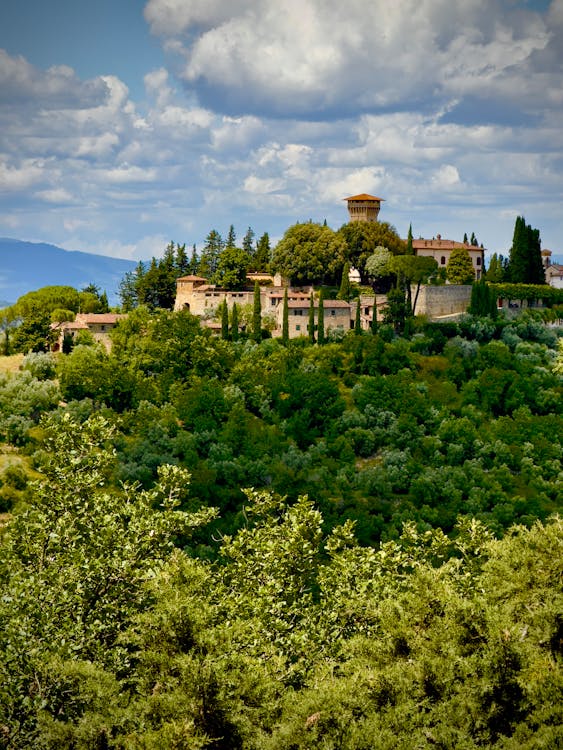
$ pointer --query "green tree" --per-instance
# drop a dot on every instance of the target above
(409, 250)
(232, 268)
(345, 290)
(285, 318)
(310, 254)
(396, 309)
(496, 271)
(257, 314)
(358, 322)
(525, 262)
(211, 253)
(231, 238)
(363, 237)
(321, 318)
(234, 322)
(459, 269)
(75, 565)
(412, 269)
(248, 243)
(224, 321)
(263, 255)
(311, 323)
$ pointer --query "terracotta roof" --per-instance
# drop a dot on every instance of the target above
(102, 318)
(191, 277)
(443, 244)
(363, 197)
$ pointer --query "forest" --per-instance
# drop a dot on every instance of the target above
(223, 544)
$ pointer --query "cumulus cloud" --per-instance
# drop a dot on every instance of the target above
(318, 57)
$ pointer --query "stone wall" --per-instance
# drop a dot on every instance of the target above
(438, 301)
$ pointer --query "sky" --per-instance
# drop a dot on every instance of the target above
(127, 124)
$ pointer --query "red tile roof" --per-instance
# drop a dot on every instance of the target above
(363, 197)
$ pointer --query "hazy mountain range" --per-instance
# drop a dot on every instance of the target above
(25, 266)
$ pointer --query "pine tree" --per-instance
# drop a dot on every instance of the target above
(311, 326)
(234, 322)
(231, 238)
(321, 319)
(285, 319)
(194, 261)
(344, 291)
(263, 255)
(182, 263)
(358, 322)
(257, 314)
(248, 243)
(210, 255)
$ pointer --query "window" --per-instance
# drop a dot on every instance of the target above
(333, 313)
(297, 328)
(443, 260)
(478, 261)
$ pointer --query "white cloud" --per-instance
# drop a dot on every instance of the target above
(306, 56)
(55, 195)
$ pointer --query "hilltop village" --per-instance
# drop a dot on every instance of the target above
(196, 294)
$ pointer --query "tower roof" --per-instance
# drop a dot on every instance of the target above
(363, 197)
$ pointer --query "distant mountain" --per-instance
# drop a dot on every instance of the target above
(26, 266)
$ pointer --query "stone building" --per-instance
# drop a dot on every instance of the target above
(99, 325)
(441, 250)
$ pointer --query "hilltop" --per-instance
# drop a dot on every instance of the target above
(25, 266)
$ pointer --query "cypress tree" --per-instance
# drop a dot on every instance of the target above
(374, 317)
(518, 262)
(285, 321)
(358, 322)
(234, 322)
(344, 291)
(321, 319)
(311, 325)
(257, 315)
(224, 320)
(410, 250)
(536, 273)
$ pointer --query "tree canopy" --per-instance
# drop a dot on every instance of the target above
(310, 254)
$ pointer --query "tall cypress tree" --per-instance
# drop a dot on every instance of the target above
(410, 250)
(358, 322)
(536, 272)
(517, 271)
(344, 291)
(234, 322)
(285, 320)
(257, 314)
(374, 317)
(224, 320)
(311, 326)
(321, 318)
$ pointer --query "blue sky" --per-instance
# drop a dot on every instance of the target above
(124, 125)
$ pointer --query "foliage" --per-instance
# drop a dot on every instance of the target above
(231, 268)
(460, 268)
(363, 237)
(310, 254)
(41, 365)
(530, 292)
(73, 570)
(525, 262)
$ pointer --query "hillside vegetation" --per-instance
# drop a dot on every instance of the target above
(266, 545)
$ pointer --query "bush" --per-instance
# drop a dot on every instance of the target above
(40, 364)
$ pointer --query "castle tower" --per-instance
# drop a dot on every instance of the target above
(363, 207)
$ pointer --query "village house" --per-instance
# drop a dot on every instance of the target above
(441, 250)
(99, 325)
